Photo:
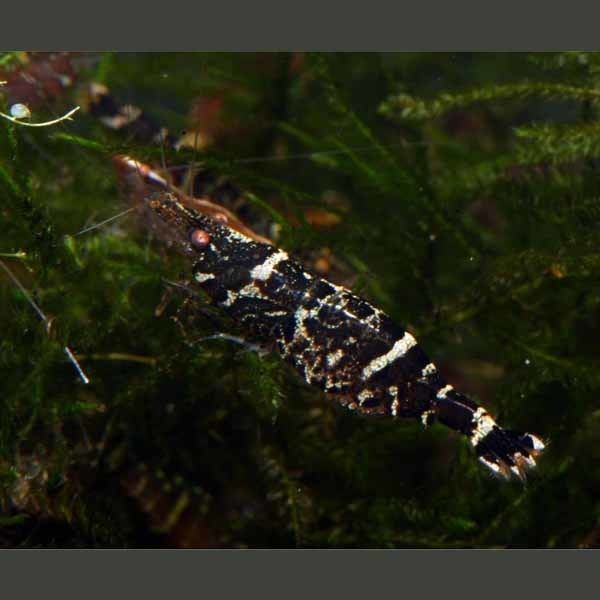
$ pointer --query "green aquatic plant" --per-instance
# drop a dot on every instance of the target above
(466, 195)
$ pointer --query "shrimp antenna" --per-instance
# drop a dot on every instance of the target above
(42, 315)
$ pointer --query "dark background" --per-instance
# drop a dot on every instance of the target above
(458, 192)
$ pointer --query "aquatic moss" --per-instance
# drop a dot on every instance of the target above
(467, 192)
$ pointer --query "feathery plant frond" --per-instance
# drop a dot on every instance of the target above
(404, 106)
(459, 192)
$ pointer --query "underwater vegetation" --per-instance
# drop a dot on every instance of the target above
(457, 192)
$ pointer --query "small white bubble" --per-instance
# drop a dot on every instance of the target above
(432, 237)
(471, 258)
(527, 361)
(20, 111)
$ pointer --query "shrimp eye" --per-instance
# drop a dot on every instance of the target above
(199, 238)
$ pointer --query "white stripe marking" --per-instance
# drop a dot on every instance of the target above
(537, 443)
(231, 298)
(428, 370)
(248, 291)
(442, 393)
(264, 270)
(276, 313)
(334, 358)
(425, 417)
(484, 424)
(393, 391)
(400, 348)
(364, 395)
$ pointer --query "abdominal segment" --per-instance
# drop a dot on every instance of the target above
(333, 338)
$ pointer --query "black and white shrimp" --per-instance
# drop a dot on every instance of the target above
(333, 338)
